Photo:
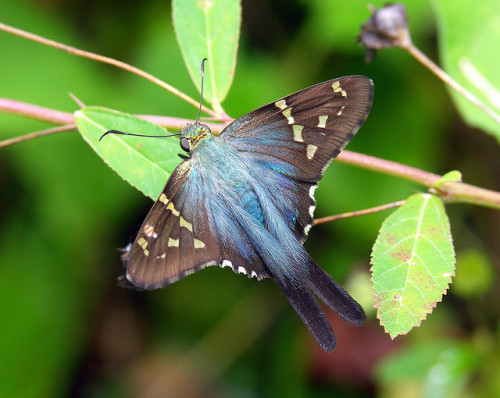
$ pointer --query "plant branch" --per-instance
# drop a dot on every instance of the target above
(106, 60)
(59, 117)
(37, 134)
(450, 190)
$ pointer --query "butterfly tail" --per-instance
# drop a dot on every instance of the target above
(304, 303)
(333, 295)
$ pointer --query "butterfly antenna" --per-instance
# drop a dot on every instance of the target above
(117, 132)
(201, 91)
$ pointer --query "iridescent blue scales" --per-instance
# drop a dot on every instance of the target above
(245, 200)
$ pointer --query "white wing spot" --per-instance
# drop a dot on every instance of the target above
(226, 263)
(173, 242)
(313, 206)
(280, 104)
(198, 244)
(311, 150)
(322, 121)
(297, 133)
(340, 111)
(288, 114)
(242, 270)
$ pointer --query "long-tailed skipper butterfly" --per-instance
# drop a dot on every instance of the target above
(244, 200)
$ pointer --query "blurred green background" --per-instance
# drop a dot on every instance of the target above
(67, 329)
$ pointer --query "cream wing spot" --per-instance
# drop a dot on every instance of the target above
(337, 89)
(173, 242)
(142, 243)
(186, 224)
(280, 104)
(311, 150)
(322, 121)
(341, 110)
(150, 231)
(297, 133)
(288, 114)
(198, 244)
(163, 199)
(172, 209)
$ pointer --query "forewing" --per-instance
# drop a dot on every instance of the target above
(299, 135)
(175, 239)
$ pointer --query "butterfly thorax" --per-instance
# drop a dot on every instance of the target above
(241, 205)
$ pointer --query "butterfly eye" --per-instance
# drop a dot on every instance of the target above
(185, 144)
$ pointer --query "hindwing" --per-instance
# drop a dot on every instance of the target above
(299, 135)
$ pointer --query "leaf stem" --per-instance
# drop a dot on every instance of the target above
(427, 62)
(106, 60)
(357, 213)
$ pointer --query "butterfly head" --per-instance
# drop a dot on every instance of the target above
(192, 134)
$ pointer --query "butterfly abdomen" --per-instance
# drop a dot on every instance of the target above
(250, 202)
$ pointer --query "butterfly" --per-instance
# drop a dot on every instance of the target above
(245, 200)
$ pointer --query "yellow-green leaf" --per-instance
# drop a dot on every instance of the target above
(412, 263)
(469, 34)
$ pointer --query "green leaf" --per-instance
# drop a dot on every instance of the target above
(469, 34)
(209, 29)
(146, 163)
(413, 262)
(453, 175)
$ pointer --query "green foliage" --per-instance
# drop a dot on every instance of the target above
(64, 211)
(144, 163)
(435, 369)
(412, 263)
(209, 29)
(468, 35)
(475, 273)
